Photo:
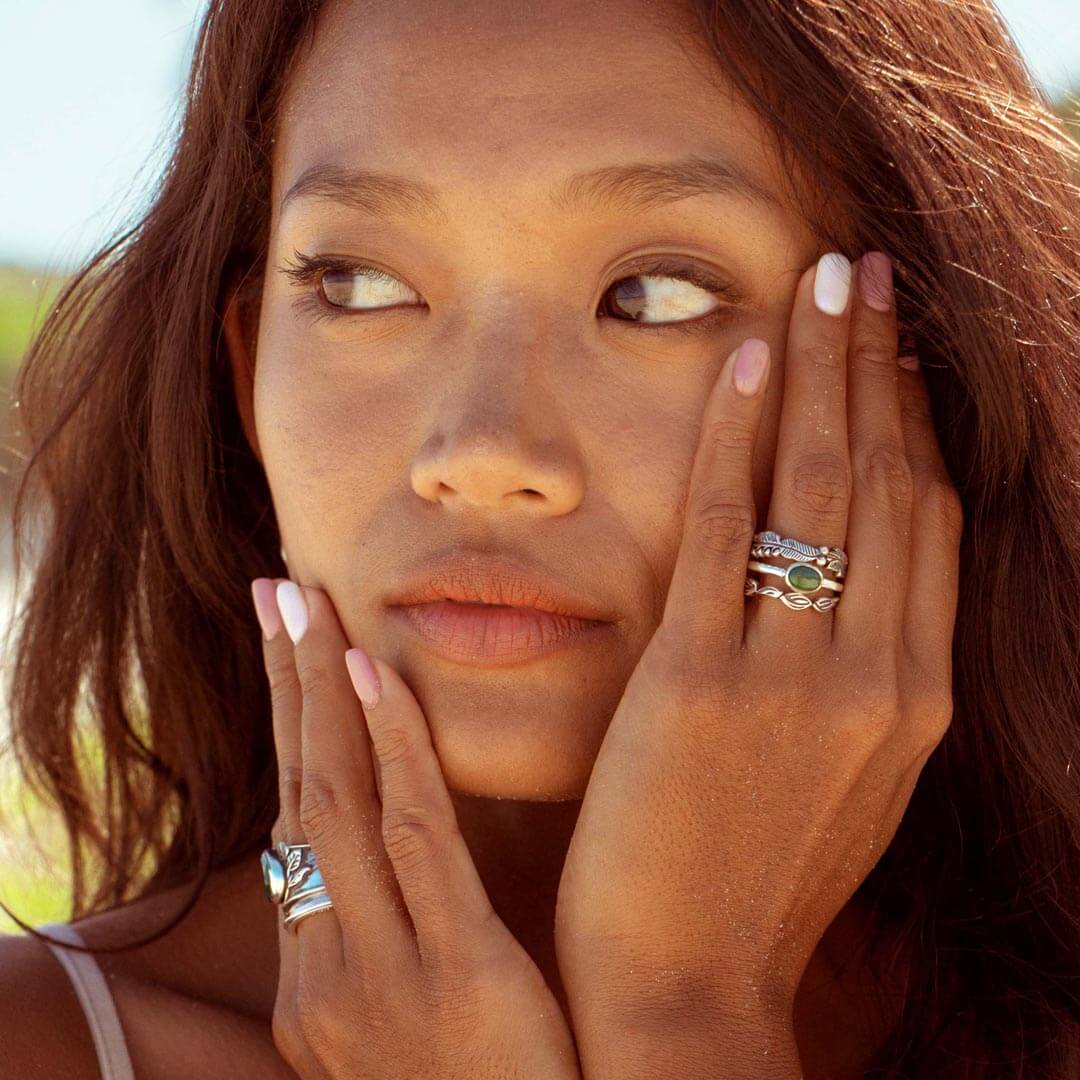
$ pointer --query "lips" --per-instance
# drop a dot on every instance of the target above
(492, 636)
(501, 579)
(495, 609)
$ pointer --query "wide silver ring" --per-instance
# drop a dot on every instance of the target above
(804, 576)
(292, 878)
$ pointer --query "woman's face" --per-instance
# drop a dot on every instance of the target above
(521, 397)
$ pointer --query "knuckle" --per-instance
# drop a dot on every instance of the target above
(825, 354)
(724, 525)
(290, 786)
(395, 749)
(319, 807)
(280, 673)
(879, 707)
(727, 433)
(943, 502)
(915, 409)
(820, 484)
(874, 354)
(886, 469)
(411, 834)
(314, 680)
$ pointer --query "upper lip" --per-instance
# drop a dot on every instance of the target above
(494, 578)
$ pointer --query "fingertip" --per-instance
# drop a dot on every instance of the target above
(876, 281)
(364, 677)
(750, 366)
(264, 595)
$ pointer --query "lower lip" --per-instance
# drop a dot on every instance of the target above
(494, 636)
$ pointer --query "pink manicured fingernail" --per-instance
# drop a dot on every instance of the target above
(875, 280)
(364, 677)
(751, 363)
(266, 609)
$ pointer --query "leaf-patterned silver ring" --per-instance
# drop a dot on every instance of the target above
(768, 543)
(291, 877)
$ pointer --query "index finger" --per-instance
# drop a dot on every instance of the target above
(340, 813)
(285, 703)
(705, 606)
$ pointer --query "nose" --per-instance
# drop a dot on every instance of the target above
(503, 441)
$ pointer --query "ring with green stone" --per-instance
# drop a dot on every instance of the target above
(801, 576)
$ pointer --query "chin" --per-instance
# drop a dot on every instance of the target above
(530, 733)
(502, 762)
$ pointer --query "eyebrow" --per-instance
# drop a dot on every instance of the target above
(635, 187)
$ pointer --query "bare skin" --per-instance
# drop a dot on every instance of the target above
(199, 1001)
(375, 436)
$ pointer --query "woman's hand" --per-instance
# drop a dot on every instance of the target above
(761, 757)
(411, 973)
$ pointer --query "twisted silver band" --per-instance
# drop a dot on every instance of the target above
(795, 601)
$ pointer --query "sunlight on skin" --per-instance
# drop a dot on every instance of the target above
(493, 406)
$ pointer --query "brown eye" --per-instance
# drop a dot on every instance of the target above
(361, 288)
(662, 299)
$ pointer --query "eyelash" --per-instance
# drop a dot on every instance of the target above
(306, 271)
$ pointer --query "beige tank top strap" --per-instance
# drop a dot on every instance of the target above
(96, 1001)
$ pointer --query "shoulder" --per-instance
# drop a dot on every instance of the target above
(43, 1030)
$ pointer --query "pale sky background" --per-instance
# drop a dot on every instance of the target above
(89, 89)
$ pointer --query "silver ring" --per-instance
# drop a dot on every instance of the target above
(797, 601)
(804, 575)
(769, 543)
(292, 878)
(805, 579)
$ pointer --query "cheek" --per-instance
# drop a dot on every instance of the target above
(652, 455)
(645, 472)
(325, 448)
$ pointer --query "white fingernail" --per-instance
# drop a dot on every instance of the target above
(293, 609)
(832, 283)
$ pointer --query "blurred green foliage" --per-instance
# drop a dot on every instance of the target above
(25, 298)
(35, 861)
(33, 875)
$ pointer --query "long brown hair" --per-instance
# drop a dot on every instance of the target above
(923, 122)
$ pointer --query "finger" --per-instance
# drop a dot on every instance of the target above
(435, 870)
(285, 705)
(812, 471)
(936, 531)
(879, 539)
(339, 807)
(294, 1049)
(705, 601)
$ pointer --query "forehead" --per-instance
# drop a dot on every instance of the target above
(479, 95)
